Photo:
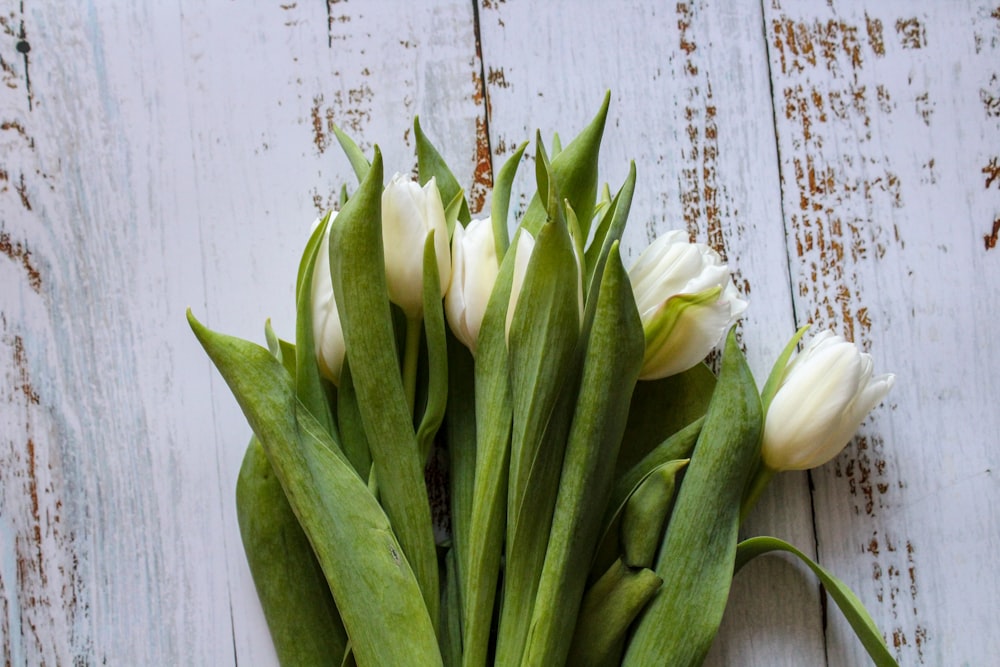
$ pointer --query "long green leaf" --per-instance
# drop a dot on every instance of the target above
(460, 434)
(357, 266)
(699, 549)
(852, 608)
(301, 615)
(380, 602)
(543, 341)
(501, 200)
(357, 159)
(575, 169)
(609, 231)
(430, 165)
(437, 353)
(308, 383)
(489, 502)
(611, 366)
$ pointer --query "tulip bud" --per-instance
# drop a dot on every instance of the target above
(824, 393)
(474, 272)
(686, 301)
(409, 213)
(522, 254)
(328, 336)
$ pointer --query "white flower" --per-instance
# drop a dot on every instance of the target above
(522, 254)
(824, 393)
(474, 272)
(686, 301)
(328, 336)
(409, 214)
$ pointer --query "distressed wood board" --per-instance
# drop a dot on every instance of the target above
(842, 155)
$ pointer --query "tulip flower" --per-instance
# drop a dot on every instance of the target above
(409, 213)
(328, 336)
(474, 272)
(824, 393)
(686, 301)
(522, 253)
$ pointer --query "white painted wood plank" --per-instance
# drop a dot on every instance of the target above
(171, 156)
(887, 127)
(690, 104)
(168, 156)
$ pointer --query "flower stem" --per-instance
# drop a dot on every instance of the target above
(411, 353)
(760, 481)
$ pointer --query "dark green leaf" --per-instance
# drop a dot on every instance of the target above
(301, 614)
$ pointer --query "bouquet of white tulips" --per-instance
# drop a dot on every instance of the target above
(596, 470)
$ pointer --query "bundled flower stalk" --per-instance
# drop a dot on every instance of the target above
(597, 470)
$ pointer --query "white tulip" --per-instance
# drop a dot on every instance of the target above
(824, 393)
(686, 301)
(522, 254)
(409, 214)
(474, 271)
(328, 336)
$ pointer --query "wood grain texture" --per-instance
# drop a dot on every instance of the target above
(887, 125)
(842, 155)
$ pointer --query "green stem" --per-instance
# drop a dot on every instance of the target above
(757, 485)
(411, 353)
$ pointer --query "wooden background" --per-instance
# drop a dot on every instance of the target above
(845, 156)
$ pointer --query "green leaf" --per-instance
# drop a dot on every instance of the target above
(610, 368)
(430, 165)
(660, 408)
(774, 379)
(364, 565)
(675, 449)
(301, 615)
(608, 608)
(460, 435)
(308, 383)
(489, 502)
(543, 341)
(353, 439)
(437, 353)
(357, 265)
(699, 548)
(646, 512)
(451, 612)
(852, 608)
(357, 159)
(452, 212)
(501, 201)
(575, 169)
(556, 144)
(545, 182)
(609, 231)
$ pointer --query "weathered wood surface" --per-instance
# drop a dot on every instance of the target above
(843, 155)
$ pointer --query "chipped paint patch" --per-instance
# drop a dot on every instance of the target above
(702, 196)
(18, 252)
(41, 601)
(482, 178)
(836, 188)
(990, 240)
